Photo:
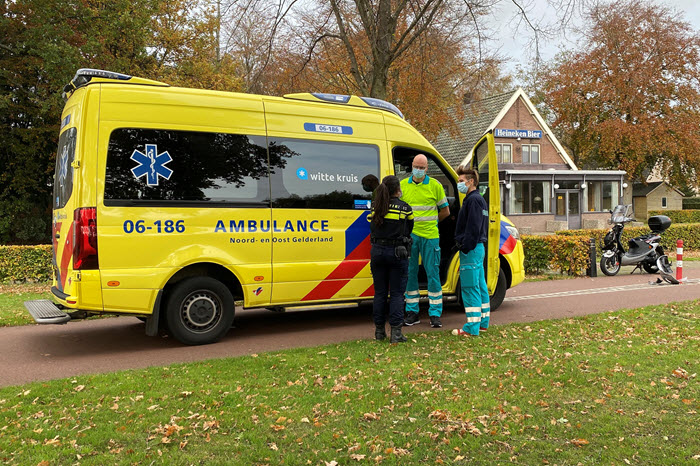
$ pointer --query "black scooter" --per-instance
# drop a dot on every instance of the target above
(643, 250)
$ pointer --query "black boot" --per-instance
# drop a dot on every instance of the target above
(379, 332)
(396, 335)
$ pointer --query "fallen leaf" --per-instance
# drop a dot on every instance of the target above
(580, 442)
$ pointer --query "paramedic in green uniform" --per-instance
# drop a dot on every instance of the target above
(427, 198)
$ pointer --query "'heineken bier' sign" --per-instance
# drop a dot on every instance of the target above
(517, 133)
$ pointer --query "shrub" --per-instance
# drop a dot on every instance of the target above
(691, 203)
(688, 232)
(20, 263)
(568, 251)
(565, 254)
(537, 254)
(679, 216)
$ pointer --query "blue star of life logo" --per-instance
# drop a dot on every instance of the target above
(302, 174)
(151, 164)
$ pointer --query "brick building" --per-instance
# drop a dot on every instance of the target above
(541, 187)
(658, 195)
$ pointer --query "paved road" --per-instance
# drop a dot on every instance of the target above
(37, 353)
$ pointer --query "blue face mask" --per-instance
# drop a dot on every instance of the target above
(462, 187)
(418, 173)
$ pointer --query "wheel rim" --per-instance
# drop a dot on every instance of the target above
(201, 311)
(612, 264)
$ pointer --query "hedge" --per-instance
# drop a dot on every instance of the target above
(691, 203)
(21, 263)
(688, 232)
(567, 251)
(679, 216)
(565, 254)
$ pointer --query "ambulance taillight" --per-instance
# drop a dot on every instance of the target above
(85, 239)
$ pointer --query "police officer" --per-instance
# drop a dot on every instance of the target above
(426, 197)
(470, 236)
(391, 225)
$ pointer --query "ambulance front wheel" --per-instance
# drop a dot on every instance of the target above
(199, 310)
(500, 293)
(496, 299)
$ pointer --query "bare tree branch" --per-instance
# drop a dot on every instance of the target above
(354, 67)
(410, 35)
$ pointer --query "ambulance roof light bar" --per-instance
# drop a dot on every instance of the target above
(85, 75)
(344, 99)
(383, 104)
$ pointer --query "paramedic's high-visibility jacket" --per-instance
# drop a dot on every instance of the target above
(426, 199)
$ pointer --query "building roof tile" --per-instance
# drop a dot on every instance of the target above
(478, 115)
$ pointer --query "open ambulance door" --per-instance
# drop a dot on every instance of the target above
(485, 163)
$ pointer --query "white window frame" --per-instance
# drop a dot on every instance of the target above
(499, 153)
(546, 200)
(529, 150)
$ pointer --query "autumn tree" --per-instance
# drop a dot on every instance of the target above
(255, 35)
(425, 82)
(44, 42)
(629, 98)
(421, 55)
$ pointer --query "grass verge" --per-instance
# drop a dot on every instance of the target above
(12, 297)
(615, 388)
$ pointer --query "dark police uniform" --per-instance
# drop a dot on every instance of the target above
(390, 249)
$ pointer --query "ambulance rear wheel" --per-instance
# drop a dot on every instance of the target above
(199, 311)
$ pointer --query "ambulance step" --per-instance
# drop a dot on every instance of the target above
(45, 312)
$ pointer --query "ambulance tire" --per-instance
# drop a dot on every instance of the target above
(500, 293)
(496, 298)
(199, 311)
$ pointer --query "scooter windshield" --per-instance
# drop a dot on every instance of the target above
(619, 214)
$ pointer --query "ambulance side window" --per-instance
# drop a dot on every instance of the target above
(152, 167)
(63, 178)
(321, 174)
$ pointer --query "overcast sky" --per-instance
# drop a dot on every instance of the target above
(518, 50)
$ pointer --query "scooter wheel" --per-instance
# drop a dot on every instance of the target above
(610, 265)
(650, 268)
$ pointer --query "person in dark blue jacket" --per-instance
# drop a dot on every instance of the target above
(470, 235)
(390, 235)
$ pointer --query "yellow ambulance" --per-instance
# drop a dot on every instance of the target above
(172, 204)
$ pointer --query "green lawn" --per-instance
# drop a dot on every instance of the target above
(12, 311)
(615, 388)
